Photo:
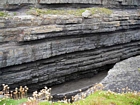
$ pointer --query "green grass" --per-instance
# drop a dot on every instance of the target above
(11, 101)
(3, 14)
(139, 69)
(76, 12)
(98, 98)
(14, 13)
(105, 98)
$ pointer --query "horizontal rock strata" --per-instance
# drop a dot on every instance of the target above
(49, 50)
(12, 4)
(123, 2)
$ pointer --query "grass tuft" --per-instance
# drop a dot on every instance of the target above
(98, 97)
(3, 14)
(8, 101)
(105, 98)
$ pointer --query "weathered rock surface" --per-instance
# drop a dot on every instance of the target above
(14, 4)
(86, 14)
(125, 74)
(52, 49)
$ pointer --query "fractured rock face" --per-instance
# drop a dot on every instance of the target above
(125, 74)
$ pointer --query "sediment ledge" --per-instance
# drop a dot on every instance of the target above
(52, 49)
(16, 4)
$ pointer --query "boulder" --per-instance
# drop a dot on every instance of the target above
(86, 14)
(124, 76)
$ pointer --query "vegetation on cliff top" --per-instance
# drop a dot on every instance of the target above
(75, 12)
(3, 14)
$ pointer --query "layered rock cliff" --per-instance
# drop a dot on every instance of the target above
(14, 4)
(52, 49)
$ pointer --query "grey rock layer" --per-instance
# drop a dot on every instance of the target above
(14, 4)
(52, 49)
(125, 74)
